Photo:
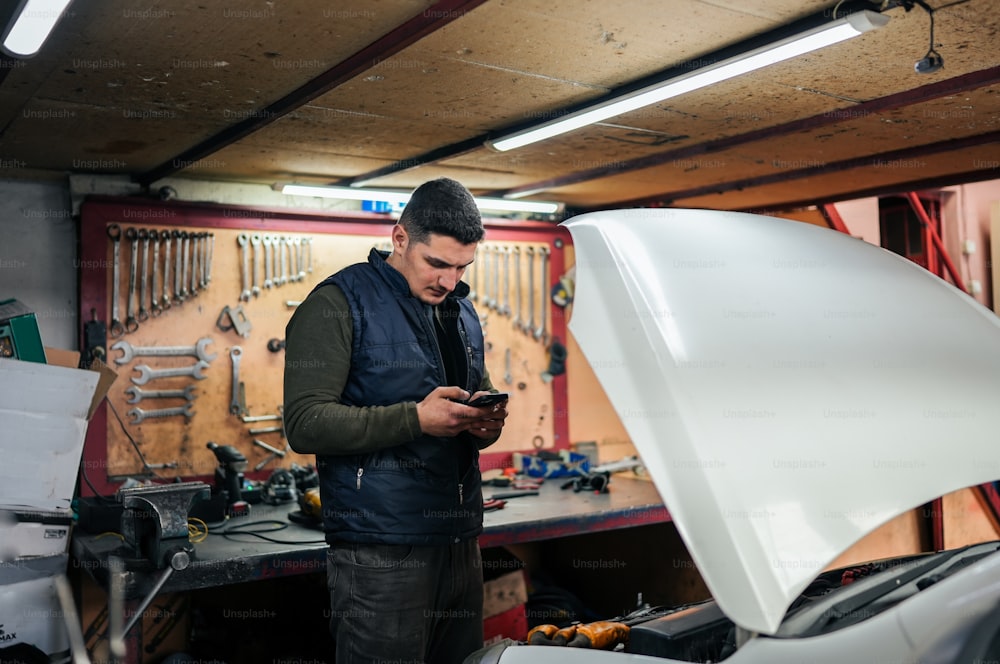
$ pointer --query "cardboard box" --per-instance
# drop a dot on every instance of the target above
(44, 412)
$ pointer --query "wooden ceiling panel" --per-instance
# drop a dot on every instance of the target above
(246, 163)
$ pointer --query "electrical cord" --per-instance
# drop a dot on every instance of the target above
(271, 526)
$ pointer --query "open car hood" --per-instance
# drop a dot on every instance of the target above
(789, 388)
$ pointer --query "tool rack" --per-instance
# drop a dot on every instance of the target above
(225, 272)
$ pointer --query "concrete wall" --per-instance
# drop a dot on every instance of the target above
(38, 256)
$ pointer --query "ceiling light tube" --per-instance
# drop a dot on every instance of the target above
(758, 58)
(35, 21)
(399, 197)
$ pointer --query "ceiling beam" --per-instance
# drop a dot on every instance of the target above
(421, 25)
(876, 160)
(924, 93)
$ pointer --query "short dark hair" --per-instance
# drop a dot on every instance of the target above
(444, 207)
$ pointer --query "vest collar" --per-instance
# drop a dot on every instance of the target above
(395, 279)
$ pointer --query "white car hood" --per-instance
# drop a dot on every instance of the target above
(789, 388)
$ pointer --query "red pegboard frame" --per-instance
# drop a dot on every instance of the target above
(99, 211)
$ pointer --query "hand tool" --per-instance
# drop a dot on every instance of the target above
(147, 374)
(136, 394)
(529, 325)
(493, 504)
(541, 332)
(236, 406)
(309, 253)
(266, 240)
(242, 239)
(238, 320)
(495, 297)
(254, 432)
(519, 483)
(275, 453)
(255, 243)
(131, 324)
(283, 248)
(198, 349)
(508, 377)
(115, 233)
(186, 266)
(299, 259)
(472, 276)
(154, 305)
(292, 303)
(260, 418)
(195, 241)
(208, 259)
(504, 309)
(138, 414)
(506, 495)
(165, 237)
(229, 472)
(485, 290)
(517, 287)
(144, 281)
(179, 295)
(203, 263)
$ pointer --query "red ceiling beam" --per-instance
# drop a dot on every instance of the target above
(833, 218)
(427, 21)
(918, 208)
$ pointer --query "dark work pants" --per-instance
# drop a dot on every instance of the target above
(404, 604)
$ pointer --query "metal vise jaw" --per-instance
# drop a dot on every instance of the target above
(154, 519)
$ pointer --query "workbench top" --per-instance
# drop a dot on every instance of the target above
(227, 557)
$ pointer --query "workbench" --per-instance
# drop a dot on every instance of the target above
(222, 560)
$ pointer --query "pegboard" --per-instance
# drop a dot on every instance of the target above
(231, 293)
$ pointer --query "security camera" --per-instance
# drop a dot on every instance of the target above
(929, 64)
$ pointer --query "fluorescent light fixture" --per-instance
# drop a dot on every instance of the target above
(398, 197)
(784, 49)
(32, 26)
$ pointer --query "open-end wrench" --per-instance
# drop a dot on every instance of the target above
(243, 240)
(504, 309)
(268, 270)
(165, 237)
(517, 286)
(115, 233)
(508, 377)
(199, 350)
(203, 262)
(147, 374)
(154, 305)
(195, 242)
(473, 296)
(255, 243)
(300, 257)
(179, 294)
(496, 280)
(131, 324)
(529, 325)
(282, 243)
(309, 252)
(541, 332)
(186, 266)
(138, 414)
(136, 394)
(487, 272)
(208, 259)
(144, 280)
(235, 405)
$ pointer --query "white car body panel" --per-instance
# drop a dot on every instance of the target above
(788, 387)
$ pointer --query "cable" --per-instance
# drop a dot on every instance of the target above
(275, 526)
(197, 531)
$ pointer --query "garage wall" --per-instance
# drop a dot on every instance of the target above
(38, 256)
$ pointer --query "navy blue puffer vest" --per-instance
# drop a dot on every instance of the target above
(428, 491)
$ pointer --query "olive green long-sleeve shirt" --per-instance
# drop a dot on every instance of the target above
(318, 342)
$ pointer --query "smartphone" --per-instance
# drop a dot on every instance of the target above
(489, 400)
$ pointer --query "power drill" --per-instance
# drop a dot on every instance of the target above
(229, 476)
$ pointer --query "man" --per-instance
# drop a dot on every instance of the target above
(378, 357)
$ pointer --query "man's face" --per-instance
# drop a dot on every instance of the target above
(432, 269)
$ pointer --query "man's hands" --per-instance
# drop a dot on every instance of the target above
(441, 415)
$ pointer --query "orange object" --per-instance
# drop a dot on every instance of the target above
(603, 635)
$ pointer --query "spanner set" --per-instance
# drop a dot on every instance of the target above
(276, 260)
(186, 256)
(490, 276)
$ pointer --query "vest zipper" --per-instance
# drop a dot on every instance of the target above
(361, 471)
(460, 498)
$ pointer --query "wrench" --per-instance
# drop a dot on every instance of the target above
(154, 306)
(505, 307)
(144, 282)
(309, 251)
(179, 294)
(255, 243)
(203, 262)
(242, 240)
(196, 350)
(282, 243)
(508, 377)
(115, 233)
(166, 237)
(517, 285)
(235, 405)
(541, 332)
(267, 261)
(472, 276)
(195, 241)
(487, 271)
(146, 374)
(496, 281)
(136, 395)
(138, 414)
(529, 324)
(300, 257)
(131, 324)
(186, 238)
(208, 259)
